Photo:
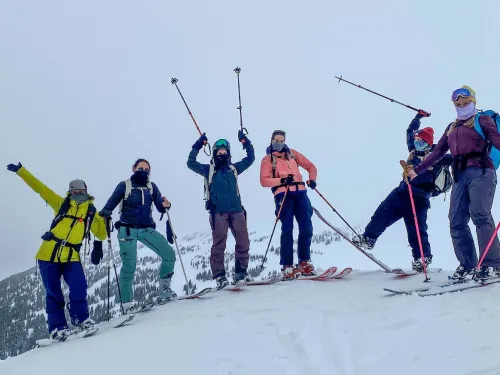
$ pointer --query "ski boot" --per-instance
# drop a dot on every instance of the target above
(241, 278)
(364, 242)
(165, 293)
(221, 282)
(483, 274)
(306, 268)
(461, 273)
(60, 334)
(290, 272)
(496, 271)
(85, 325)
(418, 266)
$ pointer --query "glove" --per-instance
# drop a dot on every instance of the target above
(312, 184)
(287, 180)
(202, 141)
(96, 255)
(105, 213)
(407, 168)
(170, 234)
(14, 168)
(421, 113)
(243, 138)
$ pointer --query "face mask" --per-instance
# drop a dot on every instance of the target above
(278, 146)
(463, 113)
(141, 176)
(221, 160)
(80, 198)
(421, 145)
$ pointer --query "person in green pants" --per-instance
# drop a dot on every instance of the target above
(136, 197)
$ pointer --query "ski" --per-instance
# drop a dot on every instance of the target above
(342, 274)
(199, 294)
(423, 289)
(326, 275)
(272, 280)
(127, 319)
(343, 235)
(404, 273)
(75, 334)
(471, 284)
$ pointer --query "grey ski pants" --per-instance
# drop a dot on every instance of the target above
(220, 223)
(472, 198)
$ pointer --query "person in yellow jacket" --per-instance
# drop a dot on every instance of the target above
(58, 256)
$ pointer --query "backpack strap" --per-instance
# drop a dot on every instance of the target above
(289, 155)
(128, 191)
(208, 180)
(61, 214)
(233, 168)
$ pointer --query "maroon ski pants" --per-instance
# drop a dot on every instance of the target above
(220, 223)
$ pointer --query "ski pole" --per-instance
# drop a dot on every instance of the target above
(487, 248)
(174, 82)
(410, 190)
(112, 252)
(345, 237)
(421, 111)
(243, 129)
(334, 210)
(178, 251)
(274, 228)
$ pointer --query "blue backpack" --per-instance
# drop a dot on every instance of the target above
(494, 152)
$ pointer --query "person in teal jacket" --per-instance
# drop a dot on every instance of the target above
(224, 204)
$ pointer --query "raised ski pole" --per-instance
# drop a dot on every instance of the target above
(178, 251)
(237, 70)
(410, 190)
(421, 111)
(274, 228)
(174, 82)
(487, 249)
(334, 210)
(112, 254)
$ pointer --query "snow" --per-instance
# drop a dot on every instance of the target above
(344, 327)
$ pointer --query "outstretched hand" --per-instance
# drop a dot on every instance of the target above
(202, 141)
(242, 137)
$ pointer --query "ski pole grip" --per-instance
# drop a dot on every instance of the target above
(424, 113)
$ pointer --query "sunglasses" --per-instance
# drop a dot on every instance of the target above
(461, 92)
(221, 143)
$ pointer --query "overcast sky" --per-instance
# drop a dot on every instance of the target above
(85, 90)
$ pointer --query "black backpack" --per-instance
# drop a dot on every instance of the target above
(62, 213)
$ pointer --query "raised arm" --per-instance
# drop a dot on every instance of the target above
(246, 162)
(410, 132)
(53, 200)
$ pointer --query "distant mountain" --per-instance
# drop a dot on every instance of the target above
(22, 297)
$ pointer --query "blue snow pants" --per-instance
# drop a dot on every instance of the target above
(72, 272)
(397, 206)
(299, 206)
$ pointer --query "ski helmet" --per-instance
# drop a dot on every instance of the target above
(221, 144)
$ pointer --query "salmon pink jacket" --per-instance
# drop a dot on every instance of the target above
(285, 165)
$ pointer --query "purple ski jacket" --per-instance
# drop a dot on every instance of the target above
(464, 140)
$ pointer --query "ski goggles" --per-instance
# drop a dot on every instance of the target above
(461, 92)
(221, 143)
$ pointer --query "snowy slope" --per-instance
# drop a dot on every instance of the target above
(344, 327)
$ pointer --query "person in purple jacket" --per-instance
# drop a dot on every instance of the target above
(474, 185)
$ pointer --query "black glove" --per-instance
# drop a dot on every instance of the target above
(170, 234)
(243, 138)
(287, 180)
(105, 213)
(198, 145)
(96, 255)
(312, 184)
(13, 167)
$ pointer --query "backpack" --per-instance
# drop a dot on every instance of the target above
(208, 183)
(442, 181)
(273, 161)
(62, 213)
(128, 191)
(494, 152)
